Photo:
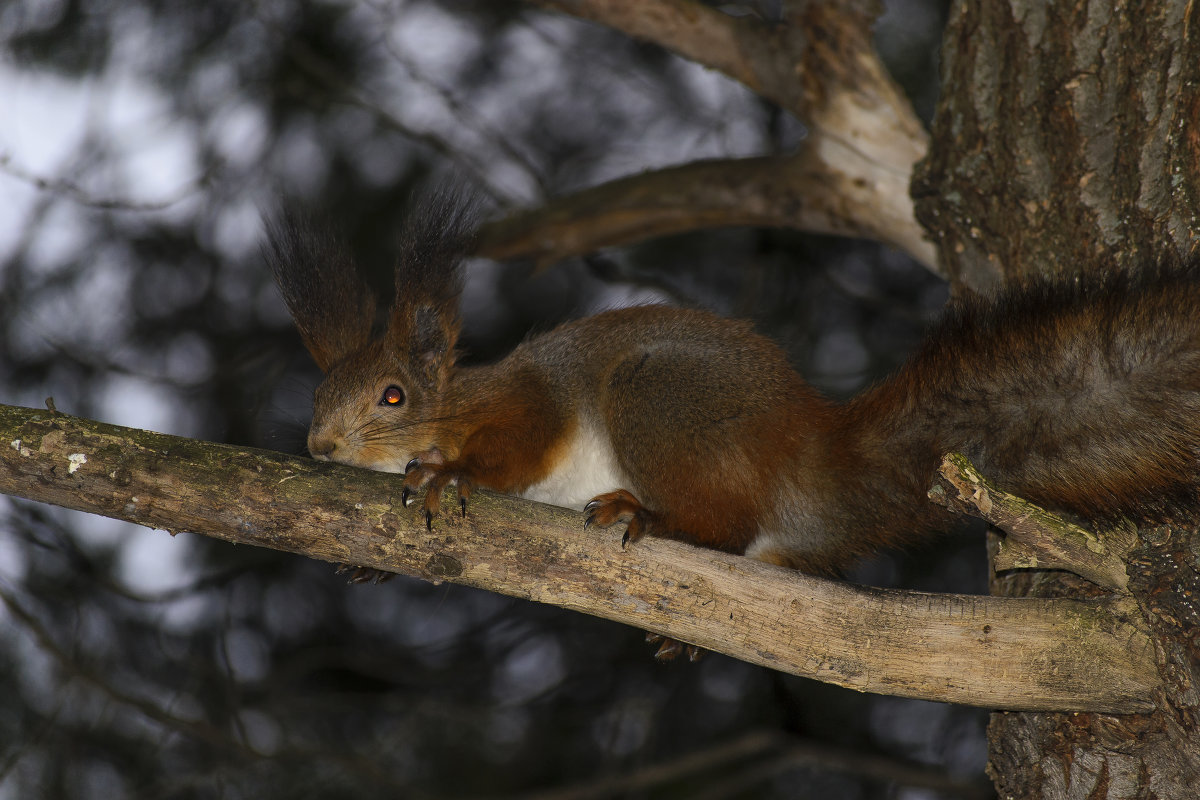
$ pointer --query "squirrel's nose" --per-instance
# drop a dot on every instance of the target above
(321, 447)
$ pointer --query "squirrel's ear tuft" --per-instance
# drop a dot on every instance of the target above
(424, 322)
(332, 307)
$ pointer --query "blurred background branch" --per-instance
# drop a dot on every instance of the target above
(849, 178)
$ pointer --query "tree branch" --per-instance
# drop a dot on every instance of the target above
(850, 178)
(803, 191)
(817, 46)
(993, 652)
(1036, 538)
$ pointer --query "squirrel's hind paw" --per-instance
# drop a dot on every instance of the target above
(620, 506)
(363, 574)
(669, 649)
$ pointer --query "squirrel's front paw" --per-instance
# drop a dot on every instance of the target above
(434, 476)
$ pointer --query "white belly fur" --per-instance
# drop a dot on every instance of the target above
(589, 468)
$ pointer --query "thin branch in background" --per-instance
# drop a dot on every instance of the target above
(461, 111)
(820, 758)
(323, 72)
(41, 735)
(200, 730)
(86, 156)
(756, 758)
(803, 191)
(147, 709)
(82, 564)
(73, 191)
(695, 31)
(721, 756)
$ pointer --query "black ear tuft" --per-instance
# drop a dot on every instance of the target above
(332, 307)
(433, 241)
(424, 322)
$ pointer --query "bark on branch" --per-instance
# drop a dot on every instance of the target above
(850, 178)
(1036, 539)
(807, 191)
(986, 651)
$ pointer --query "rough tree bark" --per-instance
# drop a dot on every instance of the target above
(975, 650)
(1066, 140)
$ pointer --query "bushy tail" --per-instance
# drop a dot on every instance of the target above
(1082, 396)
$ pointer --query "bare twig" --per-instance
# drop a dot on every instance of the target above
(198, 729)
(76, 193)
(321, 71)
(462, 111)
(700, 33)
(1036, 538)
(720, 756)
(148, 709)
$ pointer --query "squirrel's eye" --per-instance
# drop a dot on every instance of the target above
(392, 396)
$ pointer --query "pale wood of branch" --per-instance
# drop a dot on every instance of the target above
(802, 191)
(993, 652)
(1036, 538)
(850, 177)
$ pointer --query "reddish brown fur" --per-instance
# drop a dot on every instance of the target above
(506, 434)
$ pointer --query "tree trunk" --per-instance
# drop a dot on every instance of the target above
(1066, 139)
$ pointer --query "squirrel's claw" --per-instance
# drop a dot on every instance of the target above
(416, 476)
(434, 478)
(669, 650)
(464, 493)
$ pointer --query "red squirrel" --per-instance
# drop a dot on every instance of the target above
(1081, 395)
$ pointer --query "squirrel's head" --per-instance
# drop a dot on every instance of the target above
(380, 403)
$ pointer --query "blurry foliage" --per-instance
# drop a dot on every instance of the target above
(141, 143)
